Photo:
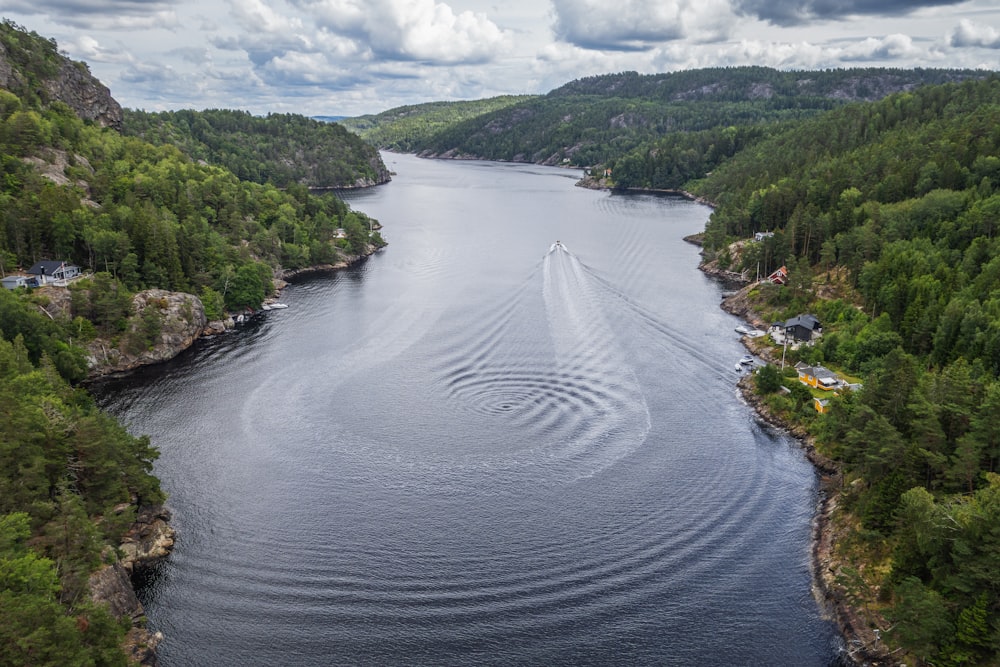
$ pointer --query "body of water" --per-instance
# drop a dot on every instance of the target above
(482, 447)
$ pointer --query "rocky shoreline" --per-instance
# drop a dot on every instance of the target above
(862, 646)
(592, 183)
(861, 643)
(151, 538)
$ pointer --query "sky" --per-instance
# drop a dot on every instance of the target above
(352, 57)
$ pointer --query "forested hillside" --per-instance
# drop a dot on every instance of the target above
(406, 128)
(135, 215)
(150, 215)
(279, 149)
(890, 212)
(597, 120)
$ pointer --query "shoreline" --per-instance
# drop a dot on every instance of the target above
(591, 183)
(861, 645)
(151, 538)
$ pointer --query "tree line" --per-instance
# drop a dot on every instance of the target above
(886, 215)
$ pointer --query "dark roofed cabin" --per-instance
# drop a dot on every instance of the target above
(53, 270)
(803, 327)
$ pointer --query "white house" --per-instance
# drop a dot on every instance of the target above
(49, 270)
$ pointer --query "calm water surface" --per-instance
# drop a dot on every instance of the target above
(481, 448)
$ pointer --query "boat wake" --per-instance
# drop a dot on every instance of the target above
(576, 410)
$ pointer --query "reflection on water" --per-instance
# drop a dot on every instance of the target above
(482, 447)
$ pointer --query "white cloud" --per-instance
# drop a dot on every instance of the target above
(792, 55)
(634, 25)
(149, 73)
(88, 49)
(967, 33)
(309, 69)
(256, 16)
(787, 55)
(890, 47)
(416, 30)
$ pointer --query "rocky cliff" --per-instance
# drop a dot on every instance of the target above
(181, 319)
(149, 540)
(88, 97)
(33, 68)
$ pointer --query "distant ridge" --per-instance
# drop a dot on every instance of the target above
(597, 119)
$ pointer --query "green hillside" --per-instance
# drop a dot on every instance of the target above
(280, 149)
(597, 120)
(406, 128)
(886, 215)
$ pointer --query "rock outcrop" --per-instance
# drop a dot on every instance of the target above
(181, 321)
(149, 540)
(89, 98)
(112, 586)
(68, 81)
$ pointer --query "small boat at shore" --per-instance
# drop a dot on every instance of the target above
(277, 305)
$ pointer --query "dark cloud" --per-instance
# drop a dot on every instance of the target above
(99, 7)
(100, 14)
(794, 12)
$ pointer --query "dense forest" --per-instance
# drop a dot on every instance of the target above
(405, 129)
(150, 215)
(889, 211)
(599, 120)
(279, 149)
(134, 215)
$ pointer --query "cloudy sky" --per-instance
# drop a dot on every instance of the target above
(350, 57)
